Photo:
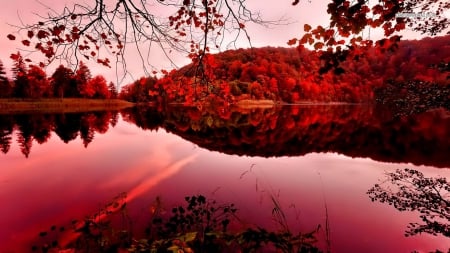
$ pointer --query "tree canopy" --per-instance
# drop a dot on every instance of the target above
(102, 30)
(32, 82)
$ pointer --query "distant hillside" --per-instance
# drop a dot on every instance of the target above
(293, 75)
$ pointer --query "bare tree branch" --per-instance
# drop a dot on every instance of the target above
(108, 27)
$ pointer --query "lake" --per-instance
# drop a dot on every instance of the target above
(313, 164)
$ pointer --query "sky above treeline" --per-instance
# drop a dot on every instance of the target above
(293, 18)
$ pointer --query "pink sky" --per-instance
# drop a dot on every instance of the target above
(313, 13)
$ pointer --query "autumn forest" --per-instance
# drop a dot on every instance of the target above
(292, 75)
(335, 139)
(33, 82)
(418, 70)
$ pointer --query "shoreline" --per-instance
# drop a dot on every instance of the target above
(60, 105)
(255, 103)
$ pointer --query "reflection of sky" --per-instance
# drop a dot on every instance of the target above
(60, 182)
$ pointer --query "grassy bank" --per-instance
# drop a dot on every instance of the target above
(51, 105)
(249, 103)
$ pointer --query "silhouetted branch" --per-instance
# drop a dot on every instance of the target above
(410, 190)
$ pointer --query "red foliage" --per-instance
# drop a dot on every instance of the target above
(11, 37)
(293, 75)
(38, 84)
(97, 87)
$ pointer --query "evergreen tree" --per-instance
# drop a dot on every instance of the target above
(20, 75)
(63, 82)
(82, 77)
(112, 90)
(5, 85)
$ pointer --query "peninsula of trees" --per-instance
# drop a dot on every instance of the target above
(418, 70)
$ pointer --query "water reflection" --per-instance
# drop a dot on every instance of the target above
(67, 126)
(61, 181)
(354, 131)
(410, 190)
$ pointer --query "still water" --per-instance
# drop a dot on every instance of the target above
(317, 162)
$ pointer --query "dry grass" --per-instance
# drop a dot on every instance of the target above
(57, 105)
(250, 103)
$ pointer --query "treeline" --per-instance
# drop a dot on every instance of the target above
(295, 74)
(385, 73)
(32, 82)
(30, 128)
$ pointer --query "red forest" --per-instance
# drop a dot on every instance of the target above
(416, 71)
(295, 75)
(32, 82)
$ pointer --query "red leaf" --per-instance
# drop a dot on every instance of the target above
(26, 42)
(305, 38)
(306, 28)
(318, 45)
(42, 34)
(14, 57)
(11, 37)
(56, 31)
(30, 34)
(292, 42)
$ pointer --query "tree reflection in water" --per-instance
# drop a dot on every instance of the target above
(355, 131)
(39, 126)
(289, 131)
(410, 190)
